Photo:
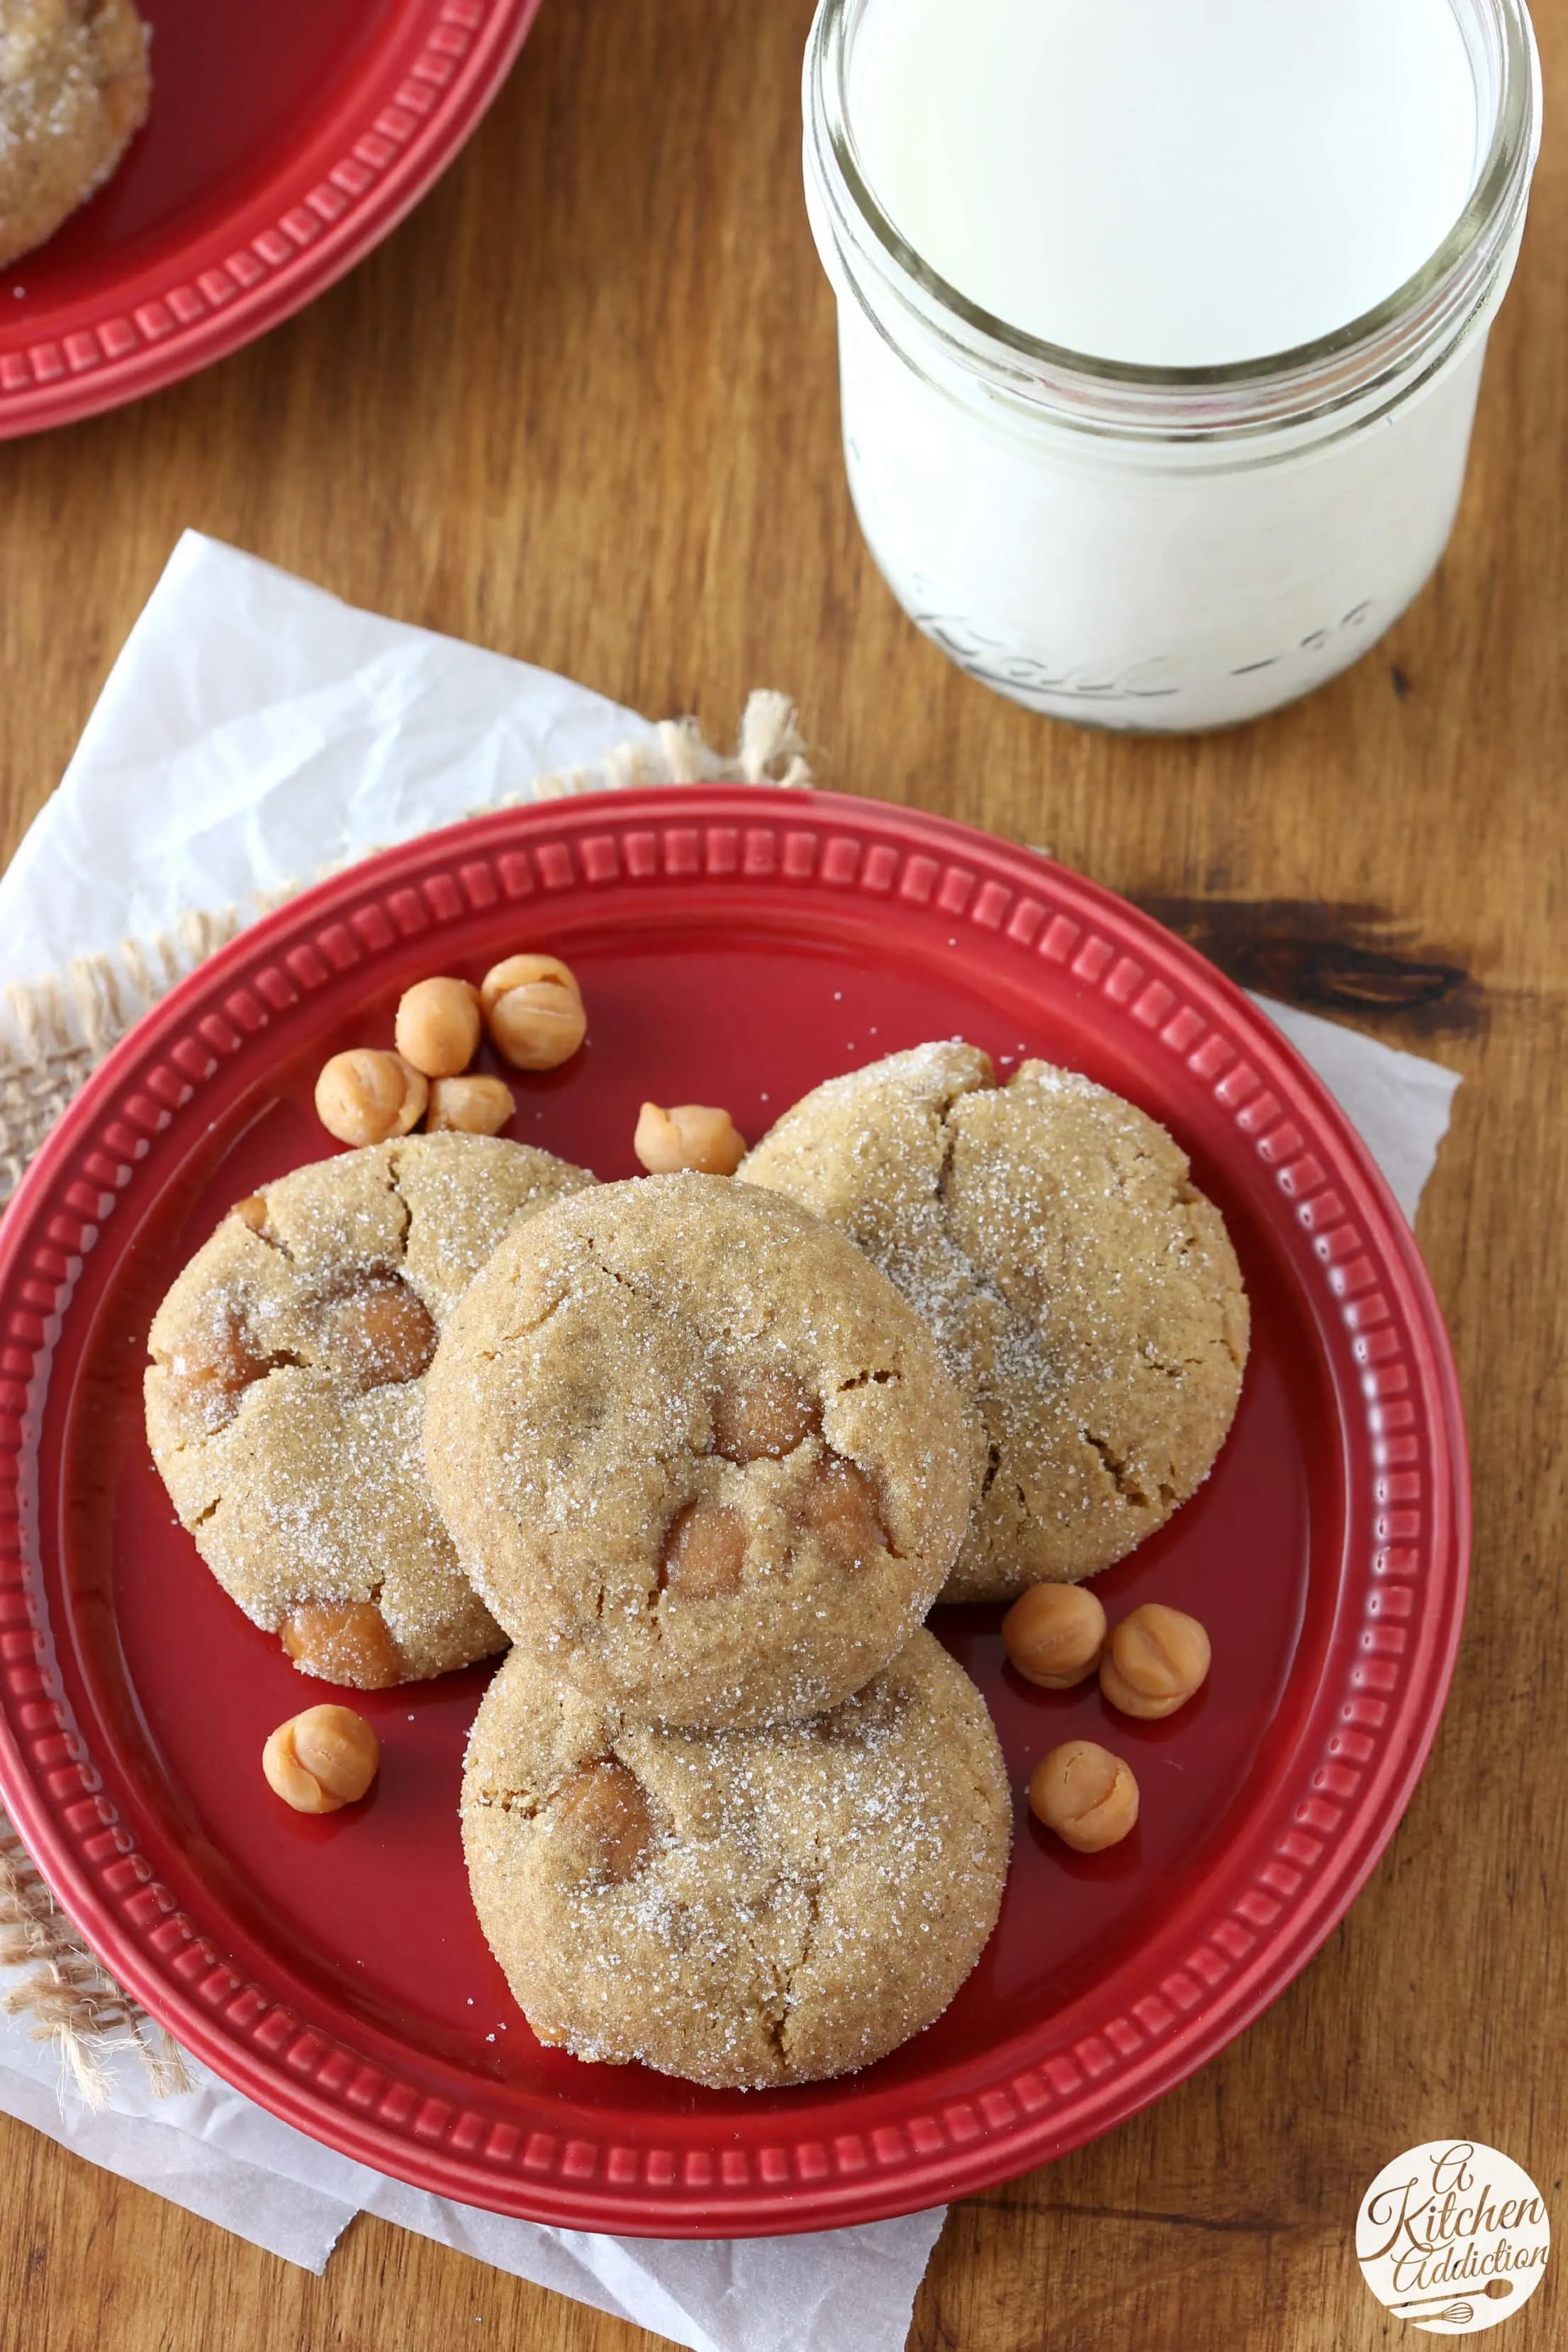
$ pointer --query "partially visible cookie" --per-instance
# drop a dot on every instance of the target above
(738, 1908)
(1084, 1293)
(696, 1450)
(287, 1391)
(73, 90)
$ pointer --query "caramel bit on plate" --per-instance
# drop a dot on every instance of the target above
(1154, 1661)
(1087, 1795)
(534, 1010)
(367, 1097)
(438, 1027)
(697, 1138)
(468, 1106)
(322, 1760)
(1054, 1634)
(343, 1641)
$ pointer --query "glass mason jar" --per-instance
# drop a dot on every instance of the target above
(1135, 547)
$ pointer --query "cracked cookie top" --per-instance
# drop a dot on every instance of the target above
(696, 1450)
(1084, 1293)
(741, 1908)
(286, 1394)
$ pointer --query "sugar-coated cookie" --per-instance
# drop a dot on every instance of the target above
(1085, 1294)
(287, 1390)
(696, 1450)
(73, 90)
(739, 1908)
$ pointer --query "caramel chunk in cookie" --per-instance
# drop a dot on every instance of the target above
(684, 1390)
(741, 1908)
(770, 1415)
(216, 1363)
(343, 1641)
(840, 1506)
(607, 1824)
(286, 1397)
(380, 1330)
(704, 1553)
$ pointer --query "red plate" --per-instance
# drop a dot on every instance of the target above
(735, 946)
(286, 138)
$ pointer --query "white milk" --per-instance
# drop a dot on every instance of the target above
(1170, 182)
(1169, 186)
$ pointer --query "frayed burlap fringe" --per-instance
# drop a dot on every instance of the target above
(63, 1028)
(72, 2001)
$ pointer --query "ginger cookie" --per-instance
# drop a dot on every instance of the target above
(287, 1393)
(1084, 1294)
(696, 1450)
(74, 91)
(741, 1908)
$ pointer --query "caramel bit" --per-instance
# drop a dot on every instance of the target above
(1054, 1634)
(697, 1136)
(343, 1641)
(215, 1367)
(322, 1760)
(841, 1505)
(251, 1211)
(532, 1008)
(1087, 1795)
(704, 1552)
(770, 1415)
(379, 1332)
(365, 1096)
(1155, 1659)
(604, 1812)
(469, 1107)
(437, 1026)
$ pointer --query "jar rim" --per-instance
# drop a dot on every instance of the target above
(1433, 306)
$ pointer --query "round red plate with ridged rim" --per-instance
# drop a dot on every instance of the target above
(286, 138)
(734, 946)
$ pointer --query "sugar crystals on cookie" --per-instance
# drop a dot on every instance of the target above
(1084, 1292)
(287, 1389)
(741, 1908)
(696, 1450)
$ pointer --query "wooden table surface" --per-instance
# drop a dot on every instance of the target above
(581, 408)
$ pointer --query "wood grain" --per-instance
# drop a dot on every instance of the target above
(581, 408)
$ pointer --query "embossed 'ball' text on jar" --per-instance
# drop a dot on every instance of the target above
(1134, 546)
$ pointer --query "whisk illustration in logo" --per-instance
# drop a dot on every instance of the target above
(1453, 2236)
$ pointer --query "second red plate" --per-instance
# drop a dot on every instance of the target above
(287, 137)
(737, 947)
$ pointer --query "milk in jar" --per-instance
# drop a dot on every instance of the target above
(1161, 322)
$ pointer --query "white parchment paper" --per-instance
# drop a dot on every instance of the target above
(1400, 1104)
(254, 731)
